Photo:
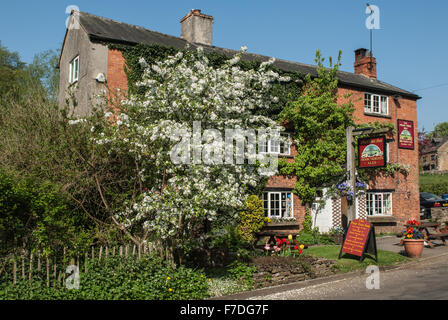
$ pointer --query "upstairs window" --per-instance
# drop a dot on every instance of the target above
(376, 104)
(74, 70)
(282, 146)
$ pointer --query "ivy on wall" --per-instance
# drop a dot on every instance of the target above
(152, 53)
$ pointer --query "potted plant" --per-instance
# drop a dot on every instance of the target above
(413, 240)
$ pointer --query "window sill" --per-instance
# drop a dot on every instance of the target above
(379, 218)
(378, 115)
(283, 223)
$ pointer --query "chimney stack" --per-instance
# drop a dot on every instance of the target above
(197, 27)
(365, 64)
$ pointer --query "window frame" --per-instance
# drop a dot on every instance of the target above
(268, 146)
(74, 72)
(267, 199)
(384, 207)
(379, 99)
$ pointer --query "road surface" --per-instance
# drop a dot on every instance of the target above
(425, 280)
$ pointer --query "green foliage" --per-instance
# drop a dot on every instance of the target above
(429, 179)
(252, 219)
(314, 237)
(243, 273)
(440, 131)
(11, 71)
(435, 188)
(226, 237)
(318, 125)
(38, 215)
(307, 222)
(119, 279)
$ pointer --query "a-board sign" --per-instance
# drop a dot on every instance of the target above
(405, 130)
(372, 152)
(359, 239)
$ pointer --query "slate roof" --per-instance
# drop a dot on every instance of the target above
(435, 145)
(107, 30)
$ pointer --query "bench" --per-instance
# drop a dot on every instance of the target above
(438, 236)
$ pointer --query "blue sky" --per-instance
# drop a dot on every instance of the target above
(411, 47)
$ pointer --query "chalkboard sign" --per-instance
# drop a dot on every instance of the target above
(359, 239)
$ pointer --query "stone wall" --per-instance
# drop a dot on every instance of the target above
(439, 214)
(282, 270)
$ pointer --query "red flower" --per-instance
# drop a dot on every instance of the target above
(277, 240)
(296, 248)
(284, 239)
(287, 242)
(300, 251)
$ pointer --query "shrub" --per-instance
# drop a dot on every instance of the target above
(119, 278)
(38, 214)
(435, 188)
(307, 222)
(252, 219)
(243, 273)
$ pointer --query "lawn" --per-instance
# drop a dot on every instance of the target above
(349, 263)
(426, 178)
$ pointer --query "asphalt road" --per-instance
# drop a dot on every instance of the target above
(425, 280)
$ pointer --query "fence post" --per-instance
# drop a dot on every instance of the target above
(38, 261)
(85, 261)
(31, 267)
(48, 271)
(14, 270)
(23, 264)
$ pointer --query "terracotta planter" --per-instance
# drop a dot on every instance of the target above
(413, 247)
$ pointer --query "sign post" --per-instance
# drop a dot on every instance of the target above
(351, 173)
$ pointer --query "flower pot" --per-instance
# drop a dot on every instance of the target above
(413, 247)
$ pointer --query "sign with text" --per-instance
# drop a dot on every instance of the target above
(360, 238)
(356, 237)
(405, 134)
(372, 152)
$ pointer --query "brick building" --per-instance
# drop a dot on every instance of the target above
(434, 158)
(88, 65)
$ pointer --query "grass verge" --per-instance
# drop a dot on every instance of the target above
(349, 263)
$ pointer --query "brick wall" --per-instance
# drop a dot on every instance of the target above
(116, 77)
(405, 198)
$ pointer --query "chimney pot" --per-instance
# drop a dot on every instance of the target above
(197, 27)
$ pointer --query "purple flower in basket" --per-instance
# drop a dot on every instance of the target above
(361, 185)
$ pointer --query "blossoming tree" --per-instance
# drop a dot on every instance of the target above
(174, 134)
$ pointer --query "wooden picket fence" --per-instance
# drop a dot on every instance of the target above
(26, 264)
